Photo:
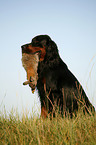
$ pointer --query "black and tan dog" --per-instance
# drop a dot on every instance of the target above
(56, 85)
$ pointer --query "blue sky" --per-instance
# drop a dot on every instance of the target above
(70, 23)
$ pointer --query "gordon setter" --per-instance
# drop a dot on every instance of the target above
(58, 88)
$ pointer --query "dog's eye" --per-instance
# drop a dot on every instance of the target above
(34, 43)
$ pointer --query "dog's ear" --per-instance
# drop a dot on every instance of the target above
(52, 55)
(52, 47)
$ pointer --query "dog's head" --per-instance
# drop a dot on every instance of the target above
(41, 40)
(42, 44)
(47, 51)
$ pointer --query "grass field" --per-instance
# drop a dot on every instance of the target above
(15, 130)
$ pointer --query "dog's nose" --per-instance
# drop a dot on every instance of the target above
(23, 46)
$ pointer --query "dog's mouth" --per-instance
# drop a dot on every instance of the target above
(29, 49)
(37, 52)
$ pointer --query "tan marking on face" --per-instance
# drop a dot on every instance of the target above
(37, 49)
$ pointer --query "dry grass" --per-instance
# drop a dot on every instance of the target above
(80, 130)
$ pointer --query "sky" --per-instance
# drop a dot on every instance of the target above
(70, 23)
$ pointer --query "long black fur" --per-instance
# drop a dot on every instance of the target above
(61, 87)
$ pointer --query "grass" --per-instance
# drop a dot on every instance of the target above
(25, 130)
(80, 130)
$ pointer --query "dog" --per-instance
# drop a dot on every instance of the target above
(58, 88)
